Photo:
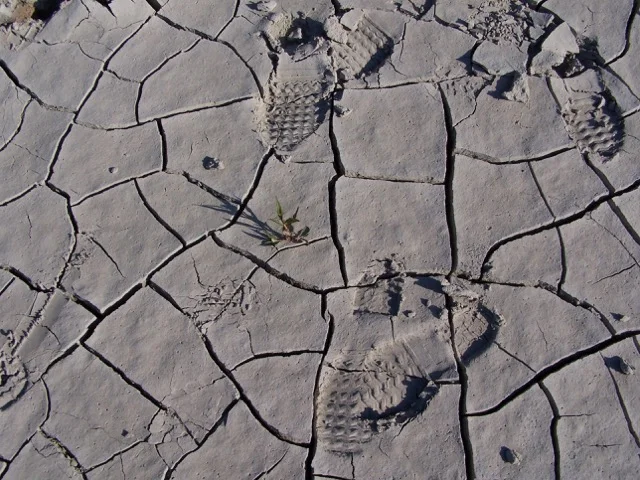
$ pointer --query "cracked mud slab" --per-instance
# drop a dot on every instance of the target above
(275, 239)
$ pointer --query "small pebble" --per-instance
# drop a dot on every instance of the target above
(624, 367)
(510, 456)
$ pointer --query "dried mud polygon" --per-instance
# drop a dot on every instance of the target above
(594, 123)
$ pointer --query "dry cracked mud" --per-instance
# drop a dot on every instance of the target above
(332, 239)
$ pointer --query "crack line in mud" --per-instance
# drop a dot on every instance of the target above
(280, 354)
(627, 35)
(18, 196)
(265, 266)
(14, 79)
(124, 377)
(543, 373)
(233, 17)
(248, 196)
(157, 216)
(221, 421)
(616, 210)
(215, 39)
(448, 180)
(64, 451)
(623, 406)
(313, 447)
(229, 375)
(563, 259)
(553, 429)
(155, 4)
(112, 186)
(149, 74)
(119, 452)
(559, 222)
(465, 436)
(498, 161)
(163, 145)
(18, 128)
(333, 209)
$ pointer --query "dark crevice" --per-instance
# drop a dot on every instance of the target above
(229, 375)
(56, 152)
(155, 4)
(125, 378)
(563, 260)
(14, 79)
(271, 468)
(221, 421)
(73, 461)
(105, 65)
(215, 39)
(214, 193)
(282, 354)
(566, 297)
(612, 194)
(111, 187)
(623, 406)
(448, 180)
(163, 145)
(160, 220)
(6, 286)
(511, 355)
(177, 26)
(248, 196)
(465, 436)
(266, 267)
(625, 222)
(313, 447)
(540, 191)
(553, 429)
(335, 235)
(124, 298)
(559, 222)
(18, 128)
(231, 19)
(187, 111)
(106, 253)
(117, 454)
(333, 212)
(627, 45)
(26, 280)
(555, 367)
(497, 161)
(18, 196)
(152, 72)
(358, 176)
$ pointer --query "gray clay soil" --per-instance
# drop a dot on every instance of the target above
(328, 239)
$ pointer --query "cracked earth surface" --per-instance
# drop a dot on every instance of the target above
(458, 296)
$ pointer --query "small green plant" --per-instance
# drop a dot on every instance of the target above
(287, 230)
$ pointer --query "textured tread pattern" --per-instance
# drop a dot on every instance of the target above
(361, 398)
(295, 106)
(594, 124)
(363, 51)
